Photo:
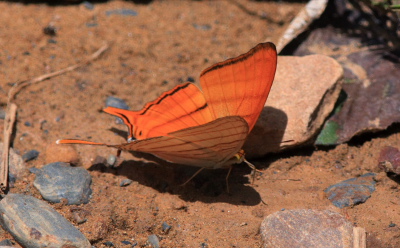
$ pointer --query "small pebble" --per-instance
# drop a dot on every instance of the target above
(5, 242)
(165, 227)
(27, 124)
(30, 155)
(88, 5)
(203, 27)
(33, 223)
(190, 79)
(116, 103)
(61, 153)
(50, 30)
(126, 242)
(57, 181)
(111, 160)
(153, 240)
(2, 114)
(91, 24)
(122, 12)
(17, 166)
(79, 215)
(109, 244)
(125, 182)
(306, 228)
(352, 191)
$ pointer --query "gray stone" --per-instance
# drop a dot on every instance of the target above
(57, 181)
(111, 160)
(116, 103)
(17, 166)
(33, 223)
(29, 155)
(125, 182)
(5, 242)
(153, 240)
(352, 191)
(2, 114)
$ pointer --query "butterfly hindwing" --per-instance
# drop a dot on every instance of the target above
(208, 145)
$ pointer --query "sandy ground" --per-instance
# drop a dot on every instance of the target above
(165, 44)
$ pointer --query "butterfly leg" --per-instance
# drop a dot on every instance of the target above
(227, 179)
(254, 170)
(195, 174)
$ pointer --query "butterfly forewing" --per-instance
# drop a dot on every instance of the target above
(208, 145)
(182, 107)
(240, 86)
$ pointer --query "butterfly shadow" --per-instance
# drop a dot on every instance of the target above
(208, 186)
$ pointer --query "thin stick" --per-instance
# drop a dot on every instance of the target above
(17, 87)
(359, 238)
(12, 110)
(8, 127)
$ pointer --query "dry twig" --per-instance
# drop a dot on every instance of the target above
(359, 238)
(8, 126)
(12, 110)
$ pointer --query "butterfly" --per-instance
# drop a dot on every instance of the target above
(207, 128)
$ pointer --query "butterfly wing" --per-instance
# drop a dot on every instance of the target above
(182, 107)
(209, 145)
(240, 86)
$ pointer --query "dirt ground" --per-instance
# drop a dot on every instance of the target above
(166, 43)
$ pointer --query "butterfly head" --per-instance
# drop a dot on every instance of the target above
(239, 157)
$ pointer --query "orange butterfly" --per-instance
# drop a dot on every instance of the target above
(204, 129)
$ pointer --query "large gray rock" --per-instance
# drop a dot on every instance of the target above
(33, 223)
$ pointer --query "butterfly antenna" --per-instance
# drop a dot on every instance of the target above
(195, 174)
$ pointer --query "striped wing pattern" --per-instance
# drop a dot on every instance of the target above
(209, 145)
(240, 86)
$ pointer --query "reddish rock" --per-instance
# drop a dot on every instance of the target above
(389, 159)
